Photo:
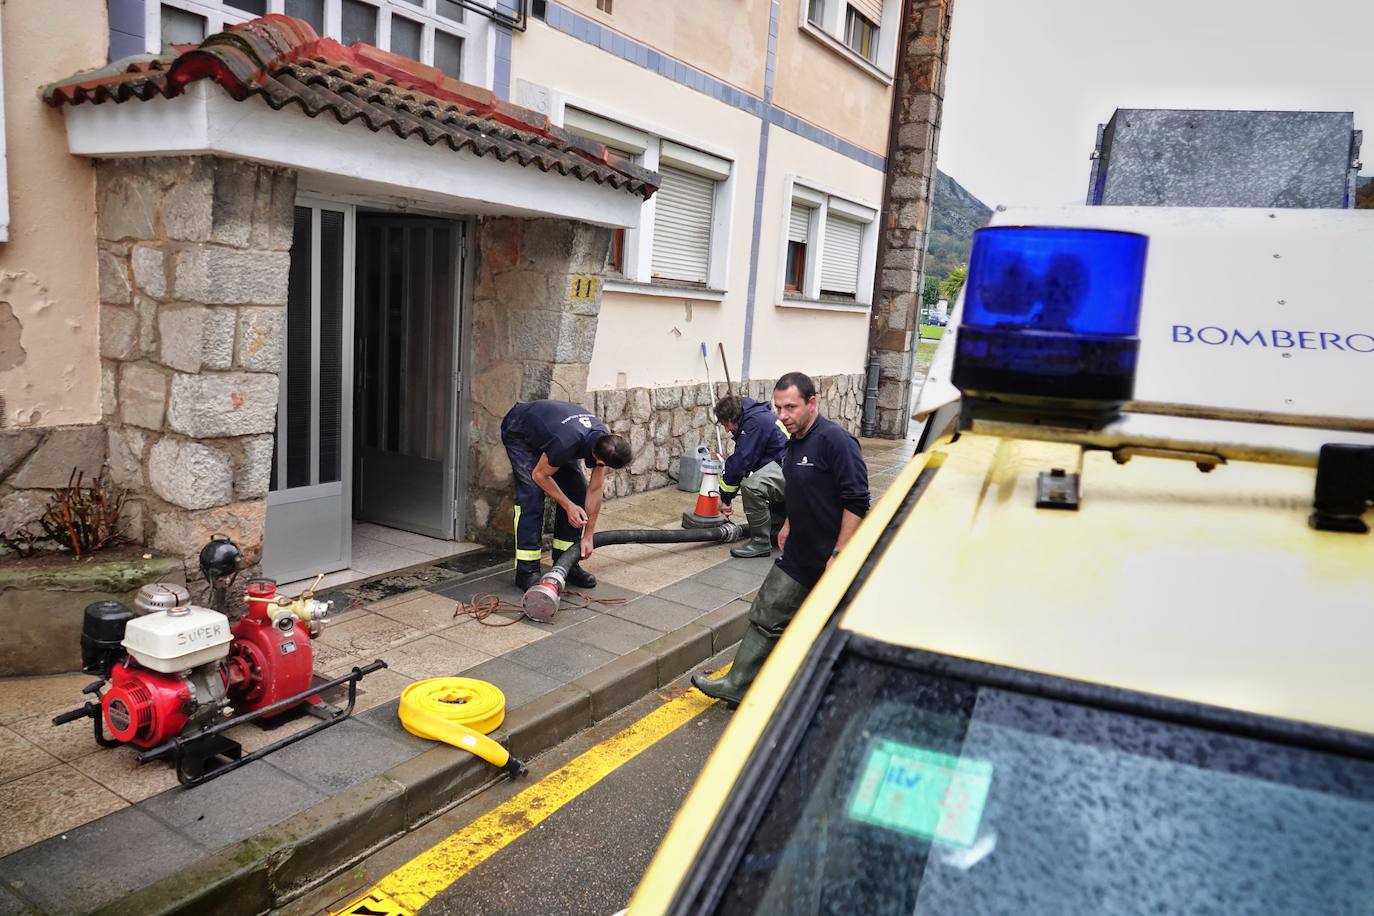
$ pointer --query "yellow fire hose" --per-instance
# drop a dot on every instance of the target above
(459, 711)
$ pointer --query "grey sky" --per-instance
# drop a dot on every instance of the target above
(1030, 80)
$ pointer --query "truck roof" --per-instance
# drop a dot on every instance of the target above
(1208, 588)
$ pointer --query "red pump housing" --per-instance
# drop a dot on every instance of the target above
(268, 661)
(145, 707)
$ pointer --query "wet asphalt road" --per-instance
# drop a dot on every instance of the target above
(588, 857)
(583, 860)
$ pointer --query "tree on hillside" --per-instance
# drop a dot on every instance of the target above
(950, 286)
(1364, 197)
(930, 295)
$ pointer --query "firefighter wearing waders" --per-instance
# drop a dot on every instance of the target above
(753, 472)
(827, 496)
(546, 442)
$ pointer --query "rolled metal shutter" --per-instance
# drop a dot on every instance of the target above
(682, 225)
(840, 259)
(799, 225)
(872, 10)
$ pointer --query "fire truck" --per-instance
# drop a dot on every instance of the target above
(1105, 645)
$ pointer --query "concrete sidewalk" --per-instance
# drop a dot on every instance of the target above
(87, 830)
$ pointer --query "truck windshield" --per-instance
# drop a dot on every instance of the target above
(917, 793)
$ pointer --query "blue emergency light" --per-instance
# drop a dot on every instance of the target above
(1050, 323)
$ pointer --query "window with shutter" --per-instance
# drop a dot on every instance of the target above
(799, 225)
(840, 257)
(682, 225)
(861, 34)
(872, 10)
(798, 234)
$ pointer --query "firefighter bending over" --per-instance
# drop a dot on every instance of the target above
(546, 441)
(753, 469)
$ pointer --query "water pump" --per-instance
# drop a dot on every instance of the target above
(175, 676)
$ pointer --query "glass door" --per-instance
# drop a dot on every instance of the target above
(309, 506)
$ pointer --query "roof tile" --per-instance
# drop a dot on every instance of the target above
(283, 61)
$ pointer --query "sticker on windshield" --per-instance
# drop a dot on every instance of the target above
(930, 795)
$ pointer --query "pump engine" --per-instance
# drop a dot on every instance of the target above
(170, 668)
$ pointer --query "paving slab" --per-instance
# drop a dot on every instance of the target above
(434, 656)
(495, 639)
(20, 757)
(739, 580)
(656, 612)
(121, 852)
(612, 634)
(560, 658)
(697, 594)
(340, 756)
(518, 683)
(48, 802)
(235, 805)
(118, 770)
(423, 610)
(368, 634)
(26, 697)
(11, 905)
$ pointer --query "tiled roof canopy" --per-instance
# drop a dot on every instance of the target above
(282, 60)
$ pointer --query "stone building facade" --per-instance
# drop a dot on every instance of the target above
(192, 255)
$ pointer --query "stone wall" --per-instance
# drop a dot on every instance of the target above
(35, 462)
(194, 254)
(923, 51)
(662, 423)
(534, 314)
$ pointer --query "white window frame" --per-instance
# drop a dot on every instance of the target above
(475, 30)
(830, 33)
(631, 132)
(821, 200)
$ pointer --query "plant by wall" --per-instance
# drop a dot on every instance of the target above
(82, 519)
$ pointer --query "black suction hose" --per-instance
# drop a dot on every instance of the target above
(541, 600)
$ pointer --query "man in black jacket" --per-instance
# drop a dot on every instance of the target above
(546, 442)
(827, 496)
(753, 468)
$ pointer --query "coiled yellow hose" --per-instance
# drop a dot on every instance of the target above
(460, 711)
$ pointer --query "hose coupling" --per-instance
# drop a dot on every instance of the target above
(542, 598)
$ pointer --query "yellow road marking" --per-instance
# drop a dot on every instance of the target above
(424, 877)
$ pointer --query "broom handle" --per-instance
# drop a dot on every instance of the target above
(729, 385)
(720, 445)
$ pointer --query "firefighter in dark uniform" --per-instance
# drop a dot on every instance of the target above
(546, 442)
(827, 497)
(753, 470)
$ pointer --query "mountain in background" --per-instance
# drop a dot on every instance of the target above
(1364, 192)
(957, 214)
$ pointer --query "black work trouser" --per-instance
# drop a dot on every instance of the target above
(529, 500)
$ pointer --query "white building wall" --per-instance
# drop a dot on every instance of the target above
(655, 340)
(815, 338)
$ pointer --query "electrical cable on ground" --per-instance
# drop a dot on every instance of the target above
(486, 604)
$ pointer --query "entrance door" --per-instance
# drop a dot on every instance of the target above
(309, 511)
(407, 379)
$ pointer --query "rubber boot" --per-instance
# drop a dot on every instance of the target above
(749, 658)
(580, 578)
(760, 543)
(756, 546)
(527, 574)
